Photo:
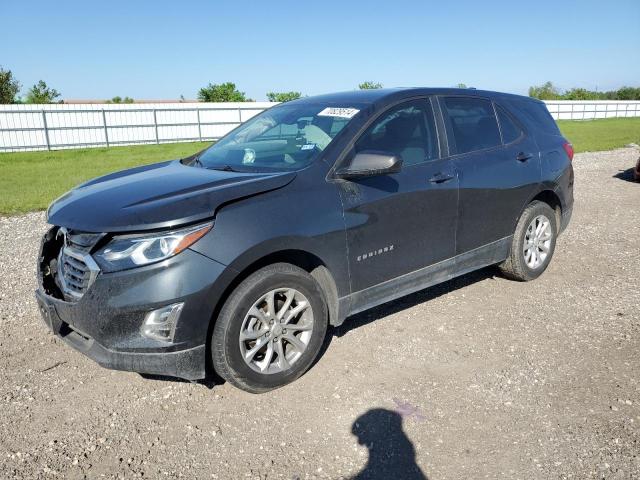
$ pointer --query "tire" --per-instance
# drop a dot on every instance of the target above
(308, 327)
(518, 266)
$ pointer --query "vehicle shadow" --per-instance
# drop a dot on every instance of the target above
(363, 318)
(210, 381)
(408, 301)
(413, 299)
(391, 453)
(625, 175)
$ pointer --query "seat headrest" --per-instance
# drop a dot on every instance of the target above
(403, 127)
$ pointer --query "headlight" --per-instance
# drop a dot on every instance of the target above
(129, 251)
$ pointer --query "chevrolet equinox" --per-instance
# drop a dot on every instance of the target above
(239, 257)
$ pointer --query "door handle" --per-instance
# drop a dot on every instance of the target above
(523, 157)
(441, 178)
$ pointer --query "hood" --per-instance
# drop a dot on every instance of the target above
(162, 195)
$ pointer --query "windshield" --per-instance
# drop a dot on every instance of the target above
(285, 137)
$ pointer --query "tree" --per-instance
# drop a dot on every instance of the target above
(283, 96)
(580, 94)
(461, 85)
(118, 99)
(628, 93)
(548, 91)
(224, 92)
(41, 93)
(369, 85)
(9, 86)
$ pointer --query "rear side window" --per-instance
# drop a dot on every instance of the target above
(509, 128)
(407, 130)
(472, 123)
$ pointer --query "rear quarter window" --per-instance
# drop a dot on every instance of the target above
(536, 114)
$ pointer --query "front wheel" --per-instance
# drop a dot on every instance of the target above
(270, 329)
(533, 244)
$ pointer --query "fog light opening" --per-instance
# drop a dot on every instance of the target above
(161, 324)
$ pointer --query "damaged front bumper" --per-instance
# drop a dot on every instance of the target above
(105, 323)
(188, 363)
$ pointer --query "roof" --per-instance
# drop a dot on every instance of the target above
(375, 95)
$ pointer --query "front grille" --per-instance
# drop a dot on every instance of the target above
(67, 268)
(74, 273)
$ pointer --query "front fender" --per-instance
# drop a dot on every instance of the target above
(304, 217)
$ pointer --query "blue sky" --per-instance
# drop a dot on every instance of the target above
(164, 49)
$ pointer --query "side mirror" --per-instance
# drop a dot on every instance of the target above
(369, 163)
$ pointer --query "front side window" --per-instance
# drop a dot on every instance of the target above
(285, 137)
(407, 130)
(472, 123)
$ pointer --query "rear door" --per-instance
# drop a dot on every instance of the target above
(400, 223)
(498, 167)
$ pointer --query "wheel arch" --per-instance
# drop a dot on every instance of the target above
(549, 196)
(303, 259)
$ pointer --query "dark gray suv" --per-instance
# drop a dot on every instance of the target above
(239, 257)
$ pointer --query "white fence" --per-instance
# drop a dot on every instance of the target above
(590, 109)
(58, 126)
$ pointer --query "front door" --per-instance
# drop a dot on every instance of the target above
(400, 223)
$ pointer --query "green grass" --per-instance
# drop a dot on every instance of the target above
(604, 134)
(31, 180)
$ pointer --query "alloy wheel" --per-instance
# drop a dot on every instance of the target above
(537, 242)
(276, 330)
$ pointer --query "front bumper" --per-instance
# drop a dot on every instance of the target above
(105, 323)
(186, 363)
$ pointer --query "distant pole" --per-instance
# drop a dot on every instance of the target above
(104, 123)
(155, 123)
(199, 125)
(46, 129)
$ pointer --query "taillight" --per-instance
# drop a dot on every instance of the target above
(569, 149)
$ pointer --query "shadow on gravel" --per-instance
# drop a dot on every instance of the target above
(625, 175)
(413, 299)
(209, 382)
(362, 319)
(403, 303)
(391, 453)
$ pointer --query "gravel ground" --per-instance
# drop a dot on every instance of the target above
(478, 378)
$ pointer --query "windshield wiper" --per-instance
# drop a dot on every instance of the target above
(224, 168)
(194, 160)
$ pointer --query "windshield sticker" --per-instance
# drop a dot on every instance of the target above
(308, 146)
(338, 112)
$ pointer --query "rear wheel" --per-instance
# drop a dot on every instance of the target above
(270, 329)
(533, 243)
